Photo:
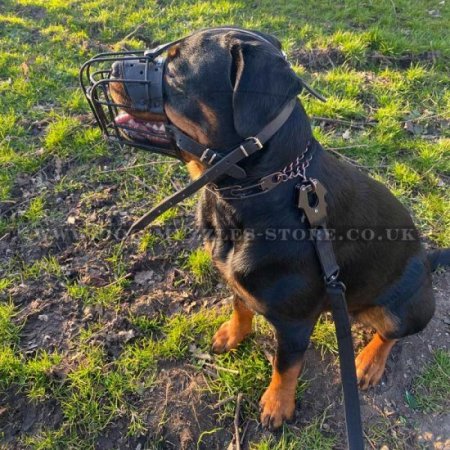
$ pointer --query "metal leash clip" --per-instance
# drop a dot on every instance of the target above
(311, 199)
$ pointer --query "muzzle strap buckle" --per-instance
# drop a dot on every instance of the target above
(208, 153)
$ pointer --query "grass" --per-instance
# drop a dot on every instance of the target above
(92, 393)
(324, 336)
(389, 432)
(388, 74)
(9, 331)
(199, 264)
(431, 390)
(310, 438)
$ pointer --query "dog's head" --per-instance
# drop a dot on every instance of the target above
(219, 87)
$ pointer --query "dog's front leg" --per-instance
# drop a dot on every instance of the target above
(278, 402)
(232, 332)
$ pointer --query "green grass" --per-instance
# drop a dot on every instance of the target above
(199, 264)
(389, 432)
(309, 438)
(54, 164)
(324, 336)
(9, 332)
(431, 390)
(45, 266)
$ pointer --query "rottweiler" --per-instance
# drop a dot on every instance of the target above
(221, 86)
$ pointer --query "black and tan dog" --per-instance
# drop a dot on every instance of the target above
(222, 86)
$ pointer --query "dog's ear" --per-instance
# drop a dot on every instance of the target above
(268, 37)
(263, 82)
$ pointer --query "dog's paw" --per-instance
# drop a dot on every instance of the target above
(370, 363)
(368, 372)
(227, 337)
(276, 406)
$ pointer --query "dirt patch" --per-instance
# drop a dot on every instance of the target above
(317, 59)
(19, 415)
(406, 60)
(324, 59)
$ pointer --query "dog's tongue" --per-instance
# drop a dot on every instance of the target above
(123, 118)
(131, 122)
(126, 119)
(142, 129)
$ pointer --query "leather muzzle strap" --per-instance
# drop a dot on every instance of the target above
(244, 150)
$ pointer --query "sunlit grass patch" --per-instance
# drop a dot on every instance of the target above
(9, 331)
(35, 211)
(149, 326)
(82, 402)
(105, 296)
(432, 157)
(170, 338)
(60, 134)
(336, 107)
(165, 339)
(45, 119)
(79, 292)
(148, 242)
(352, 44)
(324, 336)
(37, 374)
(405, 175)
(433, 213)
(199, 263)
(5, 283)
(343, 81)
(6, 183)
(180, 331)
(245, 370)
(10, 366)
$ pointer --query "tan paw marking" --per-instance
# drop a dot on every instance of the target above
(228, 336)
(277, 405)
(371, 362)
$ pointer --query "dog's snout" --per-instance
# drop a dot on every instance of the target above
(115, 69)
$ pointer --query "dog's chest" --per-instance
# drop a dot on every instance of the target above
(229, 266)
(229, 248)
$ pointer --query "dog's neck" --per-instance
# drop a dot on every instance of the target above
(283, 148)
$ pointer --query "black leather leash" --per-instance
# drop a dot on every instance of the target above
(222, 166)
(311, 200)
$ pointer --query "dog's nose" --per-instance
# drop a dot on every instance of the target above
(115, 70)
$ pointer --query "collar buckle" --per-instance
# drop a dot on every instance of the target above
(247, 151)
(256, 141)
(212, 156)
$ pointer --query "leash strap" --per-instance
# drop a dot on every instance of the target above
(336, 294)
(312, 201)
(245, 149)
